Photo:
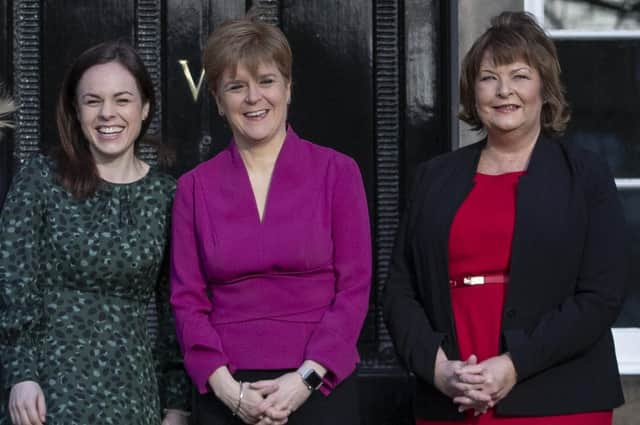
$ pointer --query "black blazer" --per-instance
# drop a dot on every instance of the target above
(568, 275)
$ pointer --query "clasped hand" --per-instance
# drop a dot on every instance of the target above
(473, 385)
(267, 402)
(288, 396)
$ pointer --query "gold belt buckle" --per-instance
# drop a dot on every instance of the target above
(473, 280)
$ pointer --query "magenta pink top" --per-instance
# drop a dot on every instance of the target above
(268, 295)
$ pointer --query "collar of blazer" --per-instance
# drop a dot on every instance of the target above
(455, 175)
(543, 151)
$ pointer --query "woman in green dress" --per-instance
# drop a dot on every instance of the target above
(83, 235)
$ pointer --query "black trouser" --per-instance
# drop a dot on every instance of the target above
(339, 408)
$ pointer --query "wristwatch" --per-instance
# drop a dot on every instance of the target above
(310, 378)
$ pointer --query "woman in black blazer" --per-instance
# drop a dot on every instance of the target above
(510, 264)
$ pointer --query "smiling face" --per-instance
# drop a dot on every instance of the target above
(509, 98)
(110, 110)
(255, 105)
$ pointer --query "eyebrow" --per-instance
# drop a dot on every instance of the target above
(257, 77)
(522, 68)
(120, 93)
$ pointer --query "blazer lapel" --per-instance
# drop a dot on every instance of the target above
(451, 193)
(459, 183)
(539, 210)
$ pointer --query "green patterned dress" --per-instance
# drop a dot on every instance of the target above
(76, 280)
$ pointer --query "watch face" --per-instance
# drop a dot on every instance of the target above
(312, 379)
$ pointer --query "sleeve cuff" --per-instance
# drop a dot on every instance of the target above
(176, 389)
(201, 364)
(337, 370)
(514, 341)
(18, 366)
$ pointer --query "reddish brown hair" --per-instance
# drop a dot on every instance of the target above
(515, 36)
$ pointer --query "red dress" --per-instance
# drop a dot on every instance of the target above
(480, 244)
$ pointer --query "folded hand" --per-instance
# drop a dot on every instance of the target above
(289, 396)
(493, 379)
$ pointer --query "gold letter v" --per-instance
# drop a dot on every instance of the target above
(195, 90)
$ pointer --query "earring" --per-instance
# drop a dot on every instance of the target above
(289, 101)
(221, 113)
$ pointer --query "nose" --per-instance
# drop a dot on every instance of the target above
(504, 88)
(107, 110)
(254, 94)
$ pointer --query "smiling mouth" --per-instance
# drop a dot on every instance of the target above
(506, 108)
(110, 130)
(256, 114)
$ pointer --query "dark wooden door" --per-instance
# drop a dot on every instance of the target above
(370, 78)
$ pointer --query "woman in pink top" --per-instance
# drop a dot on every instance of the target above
(271, 252)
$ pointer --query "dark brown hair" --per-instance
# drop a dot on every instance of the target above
(247, 41)
(76, 169)
(515, 36)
